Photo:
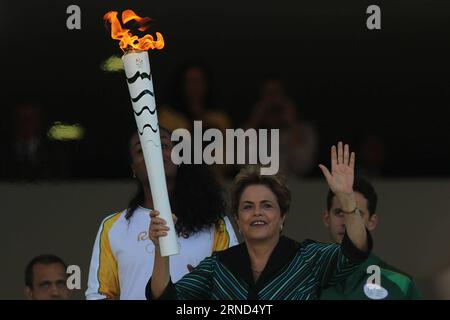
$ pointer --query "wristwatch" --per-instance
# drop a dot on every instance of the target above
(354, 211)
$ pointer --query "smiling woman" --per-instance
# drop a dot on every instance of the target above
(260, 204)
(267, 265)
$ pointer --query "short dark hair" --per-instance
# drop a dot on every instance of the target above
(251, 175)
(364, 187)
(41, 259)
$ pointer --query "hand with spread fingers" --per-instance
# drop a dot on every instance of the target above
(340, 180)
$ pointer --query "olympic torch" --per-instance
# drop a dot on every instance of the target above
(140, 85)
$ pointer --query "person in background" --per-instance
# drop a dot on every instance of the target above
(394, 284)
(29, 146)
(298, 138)
(373, 155)
(46, 278)
(192, 100)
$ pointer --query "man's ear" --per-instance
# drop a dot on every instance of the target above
(326, 218)
(373, 222)
(28, 293)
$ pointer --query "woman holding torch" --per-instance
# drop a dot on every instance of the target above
(123, 255)
(122, 259)
(268, 265)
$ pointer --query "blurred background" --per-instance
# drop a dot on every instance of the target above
(310, 68)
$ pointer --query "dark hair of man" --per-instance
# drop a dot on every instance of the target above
(364, 187)
(41, 259)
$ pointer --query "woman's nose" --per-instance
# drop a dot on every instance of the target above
(258, 211)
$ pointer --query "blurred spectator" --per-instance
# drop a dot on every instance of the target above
(298, 138)
(192, 100)
(31, 153)
(441, 284)
(29, 150)
(372, 156)
(394, 284)
(46, 278)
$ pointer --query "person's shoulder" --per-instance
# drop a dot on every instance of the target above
(289, 242)
(233, 252)
(216, 112)
(314, 243)
(224, 224)
(388, 268)
(221, 224)
(115, 215)
(110, 219)
(218, 118)
(400, 278)
(311, 247)
(172, 119)
(308, 242)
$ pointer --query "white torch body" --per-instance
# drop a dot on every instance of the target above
(140, 85)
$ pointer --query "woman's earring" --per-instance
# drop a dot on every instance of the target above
(281, 227)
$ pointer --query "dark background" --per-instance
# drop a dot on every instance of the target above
(346, 79)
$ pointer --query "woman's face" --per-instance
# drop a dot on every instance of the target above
(259, 216)
(137, 157)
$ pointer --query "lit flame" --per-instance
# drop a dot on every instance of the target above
(128, 41)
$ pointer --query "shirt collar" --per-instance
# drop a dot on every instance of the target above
(238, 261)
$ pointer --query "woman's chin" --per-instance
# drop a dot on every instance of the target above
(259, 236)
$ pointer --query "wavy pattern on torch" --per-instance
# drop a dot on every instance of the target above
(140, 95)
(143, 75)
(147, 126)
(143, 109)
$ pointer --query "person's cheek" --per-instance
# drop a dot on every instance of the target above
(167, 156)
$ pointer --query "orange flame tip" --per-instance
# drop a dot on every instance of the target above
(128, 41)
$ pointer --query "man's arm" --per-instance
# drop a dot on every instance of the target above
(340, 181)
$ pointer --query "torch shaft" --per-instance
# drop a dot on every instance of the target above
(140, 85)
